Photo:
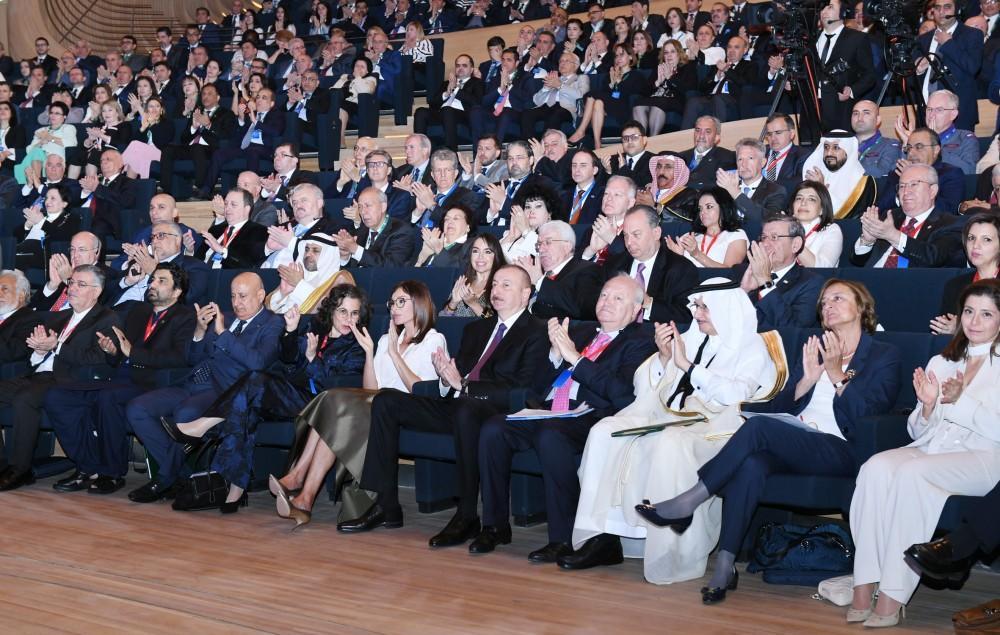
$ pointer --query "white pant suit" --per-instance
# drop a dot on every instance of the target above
(900, 493)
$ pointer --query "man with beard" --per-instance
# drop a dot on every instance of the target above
(17, 319)
(500, 196)
(877, 154)
(835, 163)
(305, 282)
(668, 193)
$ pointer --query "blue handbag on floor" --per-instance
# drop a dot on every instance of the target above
(793, 554)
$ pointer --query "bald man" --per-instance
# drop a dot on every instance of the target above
(162, 209)
(223, 348)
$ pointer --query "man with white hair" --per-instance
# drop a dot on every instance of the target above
(564, 286)
(282, 245)
(835, 164)
(17, 319)
(958, 147)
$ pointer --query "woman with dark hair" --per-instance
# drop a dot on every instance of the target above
(645, 51)
(981, 236)
(845, 375)
(716, 239)
(677, 29)
(534, 205)
(41, 226)
(624, 81)
(320, 21)
(470, 297)
(576, 41)
(332, 430)
(812, 207)
(621, 30)
(281, 23)
(955, 452)
(447, 247)
(362, 81)
(152, 132)
(314, 357)
(13, 138)
(190, 97)
(144, 90)
(675, 76)
(52, 139)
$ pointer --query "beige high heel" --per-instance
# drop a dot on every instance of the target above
(855, 616)
(300, 516)
(886, 621)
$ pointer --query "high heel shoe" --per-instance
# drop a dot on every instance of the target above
(885, 621)
(300, 516)
(234, 506)
(648, 511)
(717, 594)
(274, 486)
(282, 502)
(175, 433)
(855, 616)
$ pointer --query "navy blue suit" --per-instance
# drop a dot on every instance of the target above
(792, 302)
(963, 55)
(605, 384)
(271, 130)
(763, 445)
(219, 361)
(197, 271)
(144, 236)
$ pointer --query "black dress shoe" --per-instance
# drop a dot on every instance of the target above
(648, 511)
(717, 594)
(374, 517)
(458, 531)
(550, 552)
(175, 433)
(489, 538)
(13, 480)
(106, 485)
(75, 482)
(153, 491)
(601, 550)
(937, 560)
(234, 506)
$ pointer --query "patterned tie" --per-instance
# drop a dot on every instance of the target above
(416, 175)
(62, 301)
(640, 277)
(772, 167)
(560, 400)
(240, 325)
(575, 208)
(695, 160)
(474, 375)
(910, 229)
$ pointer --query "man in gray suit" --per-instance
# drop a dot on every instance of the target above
(136, 61)
(486, 168)
(263, 212)
(754, 195)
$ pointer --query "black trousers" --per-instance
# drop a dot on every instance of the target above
(558, 442)
(552, 116)
(449, 118)
(199, 154)
(392, 410)
(25, 397)
(985, 521)
(724, 107)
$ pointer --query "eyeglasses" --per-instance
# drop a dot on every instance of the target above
(938, 111)
(399, 302)
(376, 164)
(909, 186)
(82, 285)
(696, 306)
(764, 238)
(343, 313)
(919, 147)
(285, 155)
(631, 137)
(548, 242)
(163, 235)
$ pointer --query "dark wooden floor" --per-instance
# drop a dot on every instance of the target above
(78, 563)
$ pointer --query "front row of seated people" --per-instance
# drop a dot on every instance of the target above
(627, 372)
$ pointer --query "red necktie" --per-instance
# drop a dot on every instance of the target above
(910, 229)
(560, 400)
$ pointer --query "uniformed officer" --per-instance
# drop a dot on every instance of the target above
(958, 147)
(878, 154)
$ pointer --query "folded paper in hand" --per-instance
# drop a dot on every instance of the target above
(530, 414)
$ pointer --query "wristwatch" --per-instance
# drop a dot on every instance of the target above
(847, 377)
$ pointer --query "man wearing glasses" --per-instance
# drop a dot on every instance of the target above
(633, 159)
(162, 209)
(84, 249)
(286, 175)
(784, 158)
(165, 246)
(565, 286)
(431, 204)
(958, 147)
(452, 103)
(64, 343)
(960, 48)
(917, 234)
(924, 146)
(352, 177)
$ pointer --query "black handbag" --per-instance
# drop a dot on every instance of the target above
(204, 490)
(793, 554)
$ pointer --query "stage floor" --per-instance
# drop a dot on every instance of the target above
(79, 563)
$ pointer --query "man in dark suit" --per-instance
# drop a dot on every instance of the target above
(784, 293)
(136, 272)
(33, 192)
(754, 195)
(162, 209)
(496, 356)
(42, 58)
(664, 276)
(725, 28)
(176, 57)
(211, 35)
(138, 62)
(453, 103)
(206, 130)
(924, 146)
(553, 159)
(65, 342)
(643, 20)
(504, 98)
(721, 90)
(376, 171)
(438, 18)
(706, 157)
(107, 195)
(259, 128)
(221, 351)
(89, 416)
(916, 234)
(383, 241)
(784, 160)
(583, 367)
(565, 286)
(417, 150)
(237, 242)
(846, 69)
(960, 48)
(633, 160)
(432, 203)
(582, 203)
(84, 249)
(694, 17)
(596, 22)
(308, 101)
(286, 175)
(17, 319)
(501, 196)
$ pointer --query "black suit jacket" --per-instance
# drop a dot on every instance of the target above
(13, 333)
(167, 346)
(406, 168)
(703, 175)
(937, 244)
(297, 178)
(768, 197)
(271, 129)
(514, 362)
(792, 302)
(852, 53)
(469, 95)
(639, 173)
(590, 209)
(790, 174)
(110, 200)
(963, 55)
(669, 281)
(224, 126)
(393, 247)
(245, 249)
(558, 172)
(80, 348)
(461, 196)
(573, 293)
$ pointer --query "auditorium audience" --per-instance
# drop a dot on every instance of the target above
(565, 286)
